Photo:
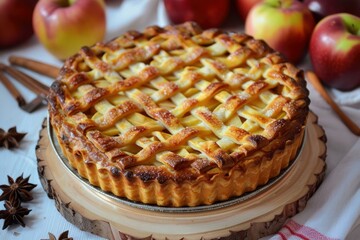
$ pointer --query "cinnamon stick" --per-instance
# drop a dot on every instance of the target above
(13, 91)
(311, 77)
(26, 80)
(36, 66)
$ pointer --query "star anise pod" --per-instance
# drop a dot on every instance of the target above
(13, 213)
(63, 236)
(11, 138)
(18, 189)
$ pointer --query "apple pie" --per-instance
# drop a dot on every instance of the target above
(179, 116)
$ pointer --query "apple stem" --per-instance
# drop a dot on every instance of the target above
(65, 3)
(353, 30)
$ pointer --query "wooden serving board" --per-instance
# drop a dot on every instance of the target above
(258, 216)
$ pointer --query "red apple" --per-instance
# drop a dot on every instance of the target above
(15, 21)
(286, 25)
(207, 13)
(244, 6)
(335, 51)
(323, 8)
(64, 26)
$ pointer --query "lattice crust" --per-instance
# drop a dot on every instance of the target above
(176, 104)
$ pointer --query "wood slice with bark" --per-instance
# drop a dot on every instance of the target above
(258, 216)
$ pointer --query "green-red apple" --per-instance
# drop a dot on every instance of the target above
(286, 25)
(64, 26)
(335, 51)
(15, 21)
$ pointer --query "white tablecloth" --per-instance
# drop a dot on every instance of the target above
(333, 211)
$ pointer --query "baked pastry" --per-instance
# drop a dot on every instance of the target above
(179, 116)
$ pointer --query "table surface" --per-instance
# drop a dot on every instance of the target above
(44, 217)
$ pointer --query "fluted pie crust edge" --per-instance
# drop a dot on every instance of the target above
(245, 177)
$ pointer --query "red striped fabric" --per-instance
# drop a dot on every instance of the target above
(294, 231)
